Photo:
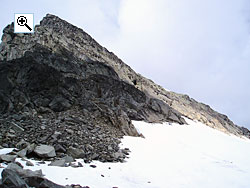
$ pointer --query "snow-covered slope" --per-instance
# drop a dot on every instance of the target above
(176, 156)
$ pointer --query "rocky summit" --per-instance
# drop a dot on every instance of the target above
(63, 94)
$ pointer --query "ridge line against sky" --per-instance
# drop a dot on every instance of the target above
(200, 48)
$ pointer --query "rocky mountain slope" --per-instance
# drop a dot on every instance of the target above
(59, 82)
(53, 95)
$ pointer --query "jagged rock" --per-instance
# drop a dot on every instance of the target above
(45, 151)
(60, 163)
(60, 148)
(76, 153)
(11, 179)
(68, 159)
(119, 155)
(29, 173)
(79, 164)
(30, 148)
(22, 153)
(76, 165)
(22, 144)
(24, 172)
(14, 166)
(28, 163)
(41, 183)
(93, 166)
(14, 176)
(7, 158)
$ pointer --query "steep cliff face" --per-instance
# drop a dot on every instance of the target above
(60, 37)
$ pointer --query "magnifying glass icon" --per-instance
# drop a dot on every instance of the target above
(22, 21)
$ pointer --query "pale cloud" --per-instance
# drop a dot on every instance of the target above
(195, 47)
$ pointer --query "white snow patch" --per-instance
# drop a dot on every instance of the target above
(5, 150)
(174, 155)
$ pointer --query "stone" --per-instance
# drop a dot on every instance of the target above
(60, 148)
(56, 134)
(41, 182)
(68, 159)
(14, 166)
(6, 38)
(16, 127)
(60, 163)
(69, 131)
(11, 179)
(22, 153)
(59, 104)
(79, 164)
(94, 156)
(45, 151)
(30, 148)
(75, 165)
(22, 144)
(14, 176)
(10, 135)
(43, 127)
(24, 173)
(125, 151)
(28, 163)
(5, 145)
(118, 155)
(75, 153)
(7, 158)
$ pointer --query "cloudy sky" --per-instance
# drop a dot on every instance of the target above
(200, 48)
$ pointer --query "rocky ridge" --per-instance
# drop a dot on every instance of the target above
(55, 34)
(50, 95)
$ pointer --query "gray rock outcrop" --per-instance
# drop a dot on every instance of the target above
(45, 151)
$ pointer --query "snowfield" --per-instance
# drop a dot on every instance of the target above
(171, 155)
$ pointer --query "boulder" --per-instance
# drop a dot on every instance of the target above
(75, 152)
(60, 163)
(29, 173)
(10, 179)
(22, 153)
(68, 159)
(7, 158)
(24, 172)
(28, 163)
(45, 151)
(15, 177)
(41, 183)
(60, 148)
(22, 144)
(14, 166)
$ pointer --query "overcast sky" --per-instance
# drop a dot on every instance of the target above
(199, 48)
